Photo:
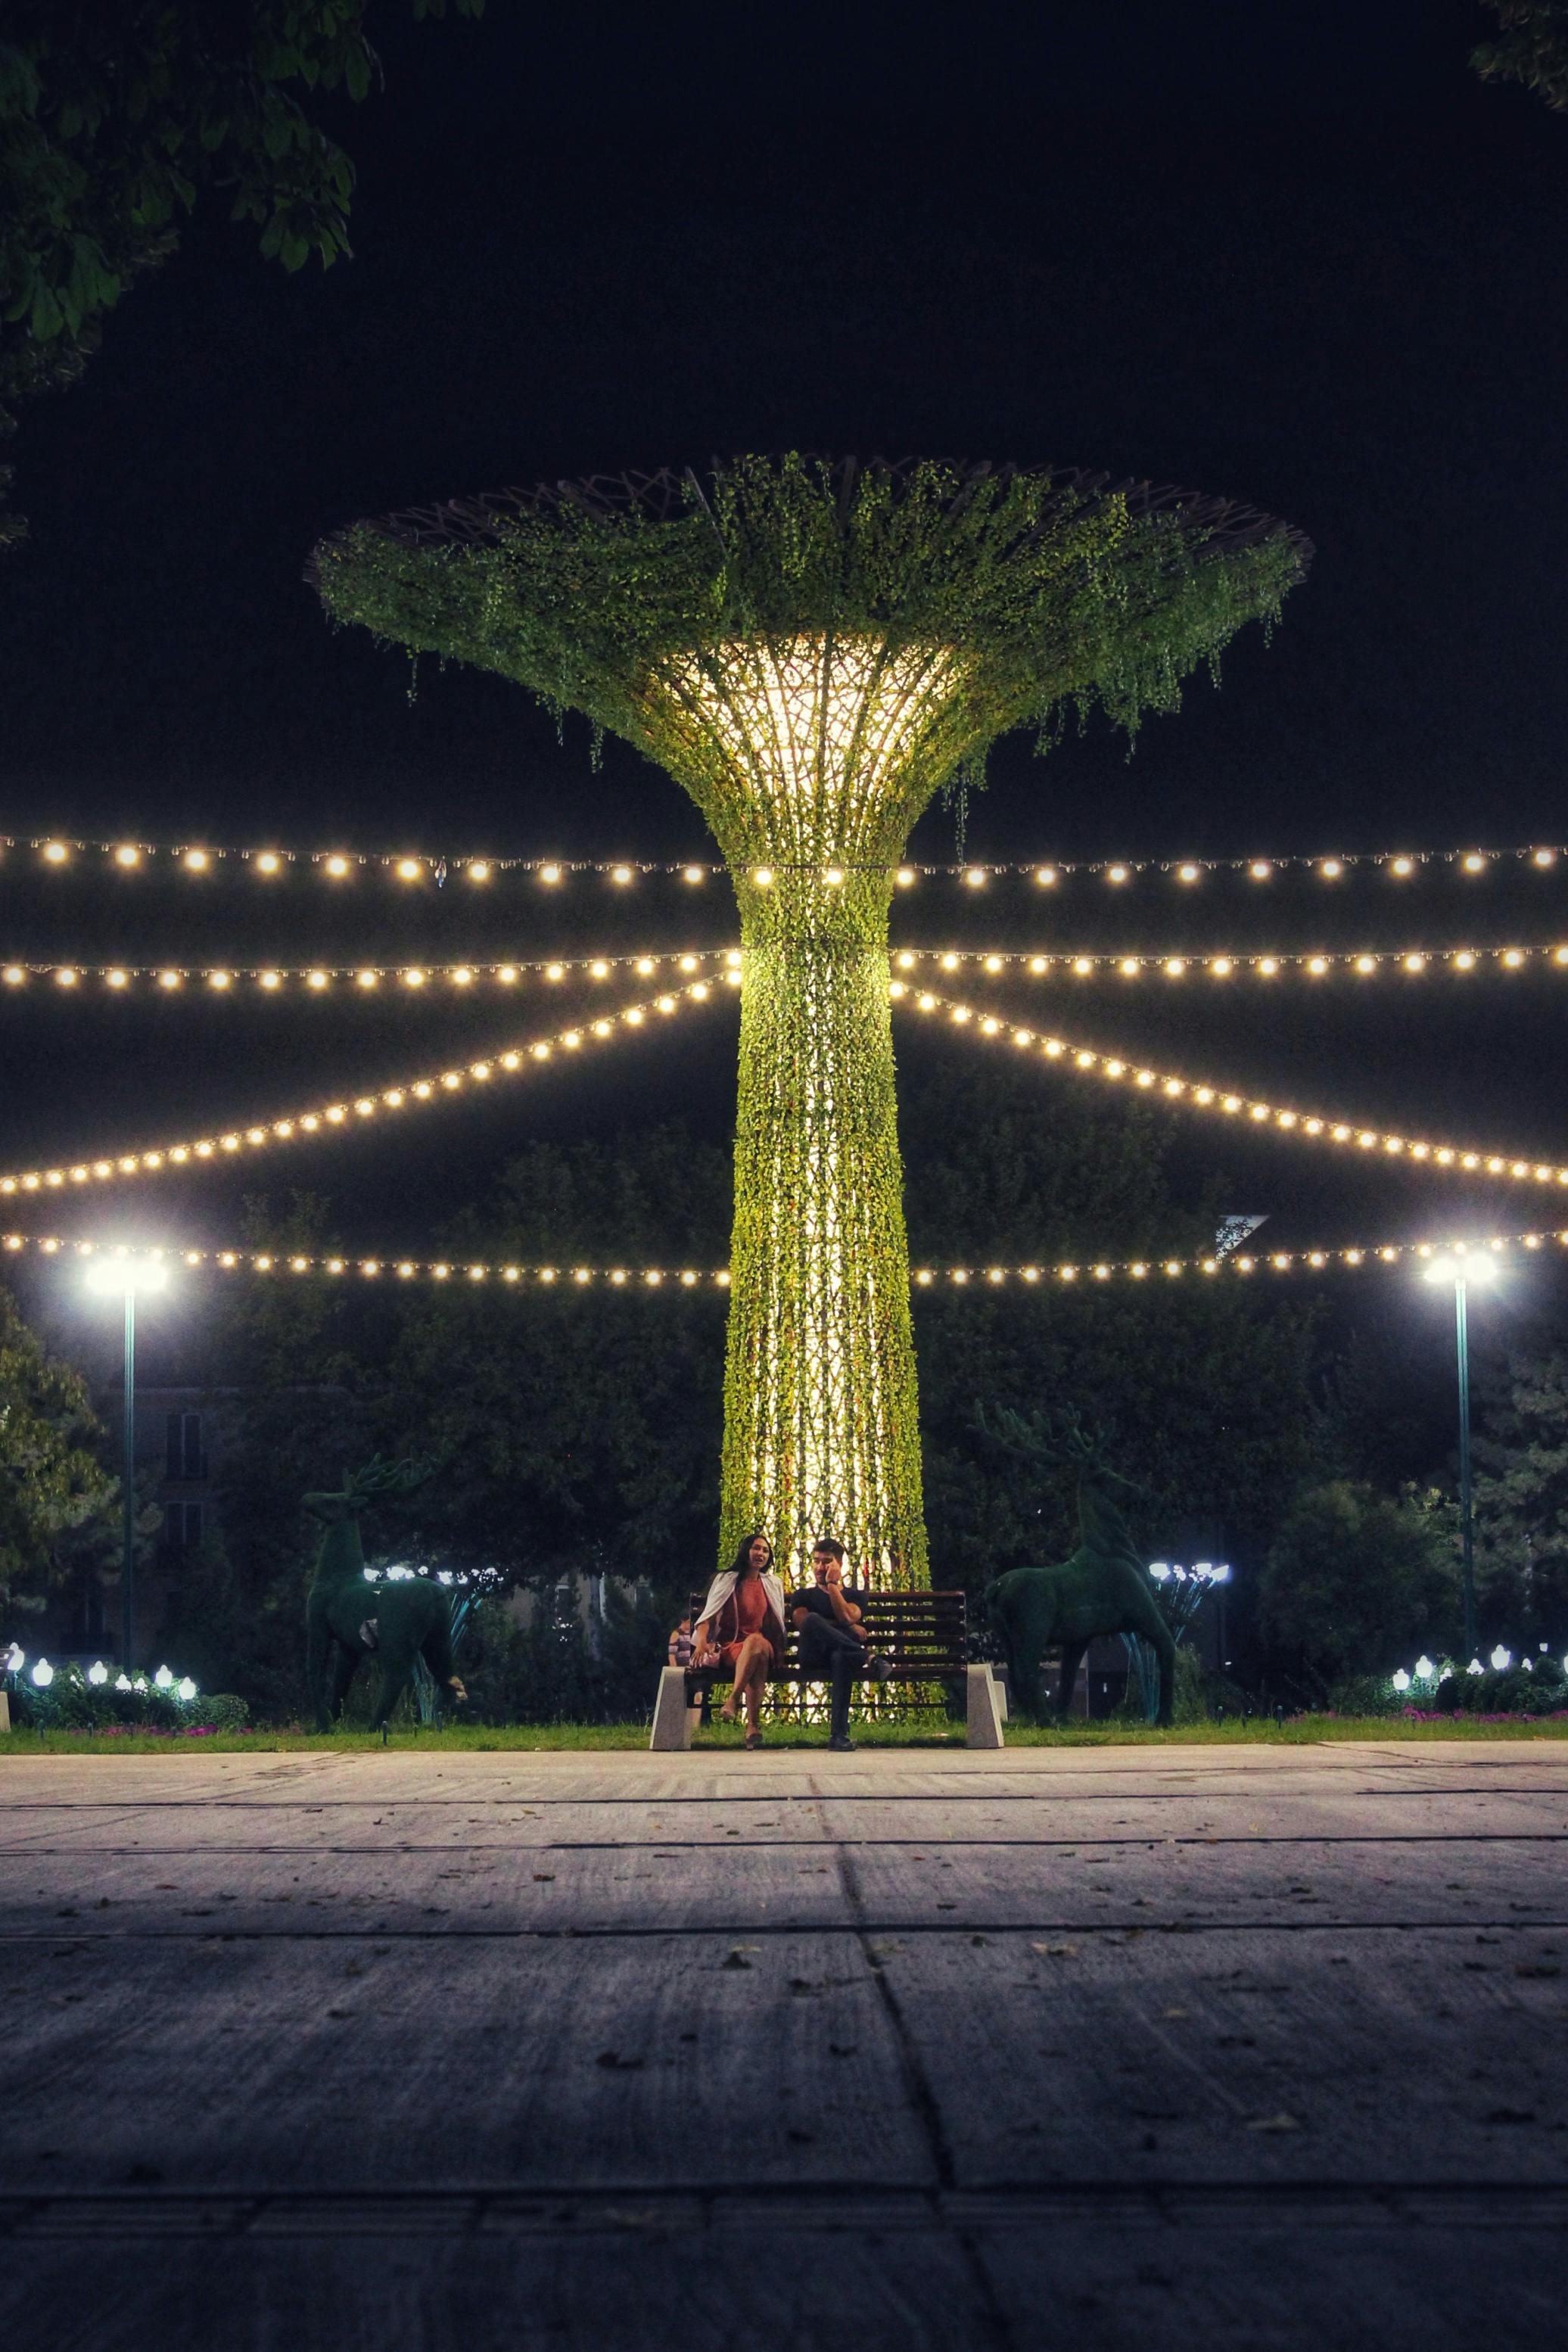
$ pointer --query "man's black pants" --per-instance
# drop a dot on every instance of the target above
(833, 1654)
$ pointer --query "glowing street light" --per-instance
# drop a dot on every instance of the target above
(1461, 1269)
(123, 1277)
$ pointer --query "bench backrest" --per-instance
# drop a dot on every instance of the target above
(914, 1630)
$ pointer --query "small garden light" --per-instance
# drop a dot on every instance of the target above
(43, 1673)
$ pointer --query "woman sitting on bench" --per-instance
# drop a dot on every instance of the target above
(743, 1622)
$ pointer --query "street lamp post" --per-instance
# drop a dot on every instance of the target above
(1461, 1271)
(122, 1278)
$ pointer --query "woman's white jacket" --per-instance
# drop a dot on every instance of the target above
(723, 1585)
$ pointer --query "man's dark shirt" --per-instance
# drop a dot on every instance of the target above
(814, 1597)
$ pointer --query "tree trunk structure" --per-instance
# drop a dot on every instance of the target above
(810, 758)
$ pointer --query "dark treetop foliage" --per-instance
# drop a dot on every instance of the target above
(1054, 587)
(58, 1506)
(1534, 48)
(115, 114)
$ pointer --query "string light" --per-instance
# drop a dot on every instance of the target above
(1266, 965)
(1453, 1158)
(320, 977)
(1041, 1275)
(240, 1138)
(426, 866)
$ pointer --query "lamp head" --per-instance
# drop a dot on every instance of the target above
(1467, 1268)
(123, 1277)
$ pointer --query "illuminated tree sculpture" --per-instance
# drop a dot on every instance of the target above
(813, 649)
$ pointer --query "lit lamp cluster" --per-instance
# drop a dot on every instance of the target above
(317, 979)
(459, 1580)
(43, 1676)
(340, 1117)
(1307, 1125)
(1427, 1674)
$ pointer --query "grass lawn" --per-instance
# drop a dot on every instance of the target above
(917, 1732)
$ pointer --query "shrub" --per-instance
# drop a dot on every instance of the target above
(1539, 1689)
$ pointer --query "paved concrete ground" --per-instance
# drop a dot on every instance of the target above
(1263, 2048)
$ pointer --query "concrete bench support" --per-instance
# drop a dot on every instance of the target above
(672, 1718)
(983, 1711)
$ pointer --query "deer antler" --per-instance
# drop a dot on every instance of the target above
(1046, 1439)
(1043, 1437)
(379, 1480)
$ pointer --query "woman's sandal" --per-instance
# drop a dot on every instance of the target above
(754, 1738)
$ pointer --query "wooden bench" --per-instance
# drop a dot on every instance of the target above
(922, 1634)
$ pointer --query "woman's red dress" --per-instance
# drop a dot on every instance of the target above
(745, 1612)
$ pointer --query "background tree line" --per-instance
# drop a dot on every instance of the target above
(577, 1434)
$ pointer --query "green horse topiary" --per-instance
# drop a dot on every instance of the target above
(348, 1619)
(1104, 1588)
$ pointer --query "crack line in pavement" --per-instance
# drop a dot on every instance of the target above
(787, 1844)
(1124, 1928)
(1039, 1792)
(922, 2097)
(721, 2205)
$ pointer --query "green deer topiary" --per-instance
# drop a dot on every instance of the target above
(348, 1619)
(1104, 1588)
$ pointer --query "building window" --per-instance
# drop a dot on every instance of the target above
(182, 1530)
(185, 1442)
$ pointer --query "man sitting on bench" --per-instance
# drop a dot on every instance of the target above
(832, 1646)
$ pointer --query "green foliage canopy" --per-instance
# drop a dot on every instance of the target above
(1204, 1396)
(1356, 1582)
(1521, 1497)
(1054, 588)
(116, 114)
(1533, 50)
(57, 1505)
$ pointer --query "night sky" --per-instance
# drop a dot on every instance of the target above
(1295, 255)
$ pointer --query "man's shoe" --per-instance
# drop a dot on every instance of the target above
(842, 1747)
(879, 1668)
